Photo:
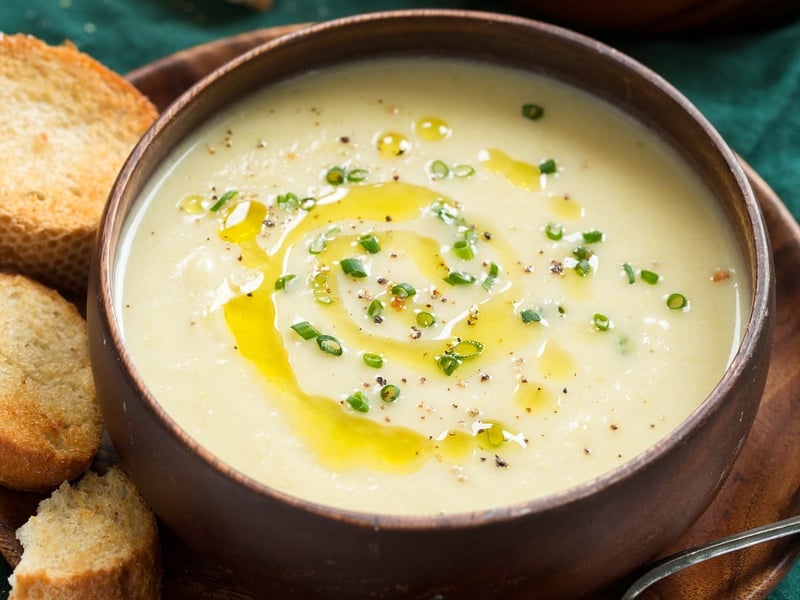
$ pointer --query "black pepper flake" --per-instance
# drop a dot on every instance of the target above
(499, 462)
(587, 451)
(483, 459)
(345, 139)
(377, 319)
(381, 280)
(556, 267)
(380, 380)
(565, 390)
(487, 235)
(613, 426)
(485, 377)
(415, 333)
(269, 223)
(388, 218)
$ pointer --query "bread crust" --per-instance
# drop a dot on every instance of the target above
(50, 420)
(68, 124)
(96, 540)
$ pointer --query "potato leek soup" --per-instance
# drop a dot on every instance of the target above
(423, 286)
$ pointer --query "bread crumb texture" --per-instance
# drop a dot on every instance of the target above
(67, 124)
(50, 421)
(96, 540)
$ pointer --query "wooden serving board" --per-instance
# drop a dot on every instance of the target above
(764, 485)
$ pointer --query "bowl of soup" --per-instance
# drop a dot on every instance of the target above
(431, 304)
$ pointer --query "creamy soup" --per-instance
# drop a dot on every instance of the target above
(422, 286)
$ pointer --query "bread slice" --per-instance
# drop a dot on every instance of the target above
(96, 540)
(67, 124)
(50, 421)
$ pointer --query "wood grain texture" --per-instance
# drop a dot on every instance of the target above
(764, 485)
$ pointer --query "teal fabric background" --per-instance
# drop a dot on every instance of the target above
(747, 84)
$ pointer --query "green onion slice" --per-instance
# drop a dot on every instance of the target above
(629, 272)
(459, 278)
(403, 290)
(287, 201)
(229, 195)
(370, 243)
(601, 322)
(463, 170)
(491, 277)
(357, 175)
(282, 281)
(448, 363)
(373, 360)
(554, 231)
(358, 401)
(464, 249)
(531, 111)
(649, 276)
(592, 237)
(425, 319)
(308, 203)
(335, 176)
(353, 267)
(375, 308)
(305, 330)
(548, 167)
(677, 301)
(329, 345)
(582, 253)
(439, 169)
(583, 268)
(390, 393)
(530, 316)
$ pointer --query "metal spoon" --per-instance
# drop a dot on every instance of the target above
(692, 556)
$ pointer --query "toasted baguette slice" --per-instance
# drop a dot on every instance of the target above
(67, 123)
(96, 540)
(50, 421)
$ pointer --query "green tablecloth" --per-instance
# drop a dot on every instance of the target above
(748, 85)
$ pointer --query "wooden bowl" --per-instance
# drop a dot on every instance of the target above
(570, 544)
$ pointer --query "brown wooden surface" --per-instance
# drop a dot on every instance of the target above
(764, 485)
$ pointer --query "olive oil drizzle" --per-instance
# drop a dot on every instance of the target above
(339, 437)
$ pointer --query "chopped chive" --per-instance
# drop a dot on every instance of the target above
(319, 243)
(439, 169)
(308, 203)
(583, 268)
(373, 360)
(357, 175)
(649, 276)
(287, 201)
(447, 213)
(390, 393)
(463, 170)
(677, 301)
(491, 276)
(329, 345)
(370, 243)
(459, 278)
(358, 401)
(335, 176)
(530, 316)
(425, 319)
(534, 112)
(403, 290)
(629, 272)
(464, 349)
(463, 249)
(229, 195)
(353, 267)
(375, 308)
(582, 253)
(592, 237)
(305, 330)
(448, 363)
(554, 231)
(601, 322)
(283, 280)
(548, 167)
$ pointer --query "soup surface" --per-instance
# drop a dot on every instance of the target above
(426, 286)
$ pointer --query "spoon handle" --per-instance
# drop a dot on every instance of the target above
(692, 556)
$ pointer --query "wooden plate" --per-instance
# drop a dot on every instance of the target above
(764, 485)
